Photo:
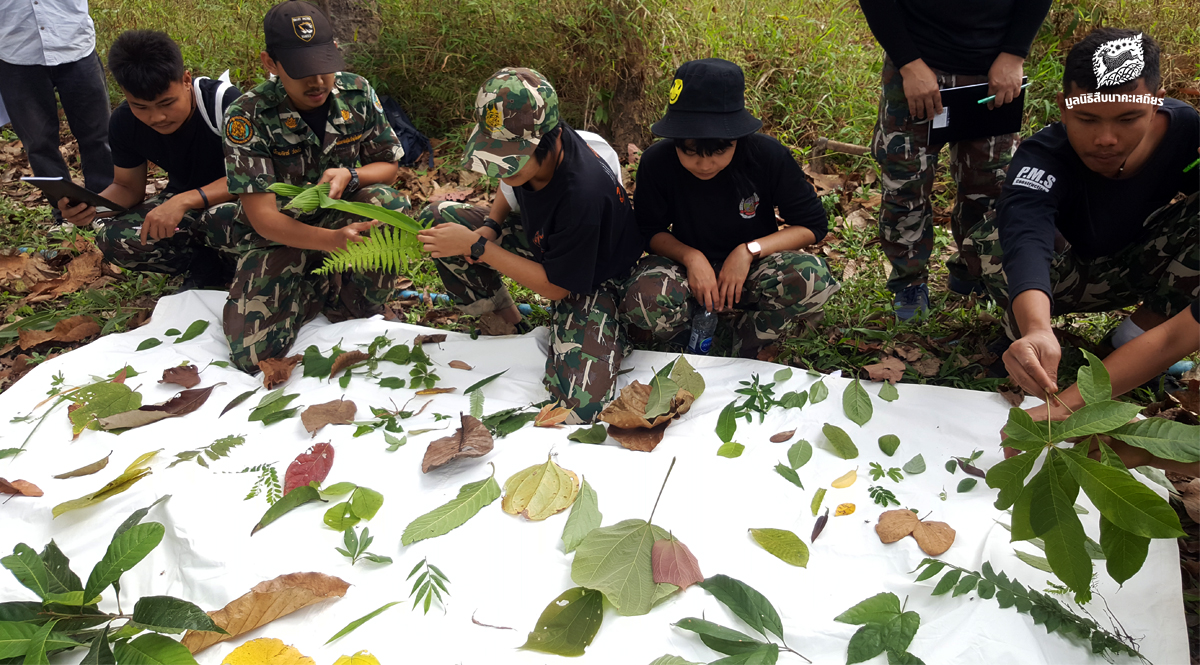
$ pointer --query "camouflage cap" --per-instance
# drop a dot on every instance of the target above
(514, 109)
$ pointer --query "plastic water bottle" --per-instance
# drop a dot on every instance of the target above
(704, 323)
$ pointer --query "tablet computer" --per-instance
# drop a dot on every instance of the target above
(57, 188)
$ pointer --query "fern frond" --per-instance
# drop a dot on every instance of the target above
(383, 249)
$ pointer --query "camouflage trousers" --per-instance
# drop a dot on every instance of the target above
(779, 288)
(274, 290)
(588, 336)
(119, 237)
(907, 162)
(1161, 271)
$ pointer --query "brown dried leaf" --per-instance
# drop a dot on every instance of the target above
(492, 324)
(336, 412)
(934, 537)
(821, 182)
(928, 366)
(896, 524)
(472, 439)
(887, 369)
(628, 410)
(551, 415)
(428, 339)
(86, 470)
(860, 219)
(458, 364)
(187, 376)
(276, 371)
(673, 563)
(181, 404)
(21, 487)
(639, 438)
(1012, 394)
(783, 436)
(906, 352)
(435, 391)
(1190, 495)
(66, 331)
(265, 603)
(345, 360)
(21, 272)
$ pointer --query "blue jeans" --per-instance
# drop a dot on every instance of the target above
(28, 92)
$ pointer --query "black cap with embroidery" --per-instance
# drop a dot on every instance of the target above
(707, 101)
(300, 38)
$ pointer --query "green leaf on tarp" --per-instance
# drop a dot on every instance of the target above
(840, 441)
(391, 382)
(746, 602)
(120, 484)
(287, 503)
(164, 613)
(353, 625)
(100, 400)
(789, 474)
(727, 423)
(29, 569)
(615, 560)
(476, 397)
(339, 489)
(340, 517)
(686, 377)
(568, 624)
(237, 400)
(124, 552)
(799, 454)
(915, 465)
(857, 403)
(669, 659)
(394, 443)
(172, 332)
(585, 515)
(766, 654)
(480, 384)
(785, 545)
(1034, 560)
(193, 331)
(280, 416)
(888, 443)
(888, 392)
(148, 343)
(818, 392)
(782, 375)
(725, 640)
(966, 485)
(1094, 383)
(399, 354)
(1124, 552)
(9, 452)
(794, 399)
(1123, 499)
(1009, 477)
(594, 434)
(904, 658)
(365, 502)
(152, 649)
(816, 501)
(731, 449)
(271, 403)
(1163, 438)
(884, 626)
(58, 570)
(471, 498)
(319, 366)
(662, 391)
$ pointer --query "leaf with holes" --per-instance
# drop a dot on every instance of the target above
(568, 624)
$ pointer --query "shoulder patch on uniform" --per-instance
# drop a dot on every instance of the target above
(239, 130)
(376, 102)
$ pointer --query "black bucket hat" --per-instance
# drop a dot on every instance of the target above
(300, 36)
(707, 101)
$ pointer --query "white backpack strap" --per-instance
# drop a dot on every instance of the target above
(216, 119)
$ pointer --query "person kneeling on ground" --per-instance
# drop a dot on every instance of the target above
(1086, 221)
(575, 241)
(174, 122)
(706, 199)
(310, 124)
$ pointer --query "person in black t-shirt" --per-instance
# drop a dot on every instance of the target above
(175, 123)
(575, 241)
(930, 45)
(705, 202)
(1086, 221)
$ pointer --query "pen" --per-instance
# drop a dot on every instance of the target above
(1191, 166)
(985, 100)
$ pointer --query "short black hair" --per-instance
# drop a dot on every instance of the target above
(1078, 68)
(145, 62)
(546, 143)
(703, 147)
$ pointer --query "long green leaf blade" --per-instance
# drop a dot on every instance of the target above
(585, 516)
(287, 503)
(471, 498)
(1095, 418)
(353, 625)
(746, 602)
(1163, 438)
(165, 612)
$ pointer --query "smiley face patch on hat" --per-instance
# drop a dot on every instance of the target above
(238, 130)
(676, 88)
(304, 27)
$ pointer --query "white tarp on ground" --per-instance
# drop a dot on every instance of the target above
(504, 570)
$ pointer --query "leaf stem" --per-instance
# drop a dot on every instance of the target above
(660, 491)
(791, 650)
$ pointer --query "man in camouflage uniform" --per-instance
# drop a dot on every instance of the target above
(928, 48)
(269, 139)
(575, 241)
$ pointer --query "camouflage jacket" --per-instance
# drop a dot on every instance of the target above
(266, 140)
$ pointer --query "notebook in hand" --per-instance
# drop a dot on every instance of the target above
(963, 118)
(57, 188)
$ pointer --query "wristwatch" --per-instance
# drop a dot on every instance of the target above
(353, 185)
(478, 248)
(755, 248)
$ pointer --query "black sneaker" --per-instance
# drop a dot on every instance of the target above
(208, 270)
(965, 287)
(912, 302)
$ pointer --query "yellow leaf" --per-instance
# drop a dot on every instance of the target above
(844, 509)
(435, 391)
(540, 491)
(551, 415)
(137, 463)
(846, 480)
(360, 658)
(267, 651)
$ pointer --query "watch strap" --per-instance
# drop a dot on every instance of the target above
(353, 185)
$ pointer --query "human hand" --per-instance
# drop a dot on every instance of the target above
(79, 215)
(162, 221)
(1004, 79)
(1032, 362)
(447, 239)
(338, 180)
(921, 90)
(733, 276)
(702, 282)
(350, 233)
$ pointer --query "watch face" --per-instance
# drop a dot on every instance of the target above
(754, 248)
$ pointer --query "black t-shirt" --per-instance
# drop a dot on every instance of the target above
(193, 155)
(956, 36)
(1049, 187)
(580, 226)
(316, 119)
(716, 215)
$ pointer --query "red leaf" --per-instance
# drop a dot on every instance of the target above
(308, 467)
(673, 563)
